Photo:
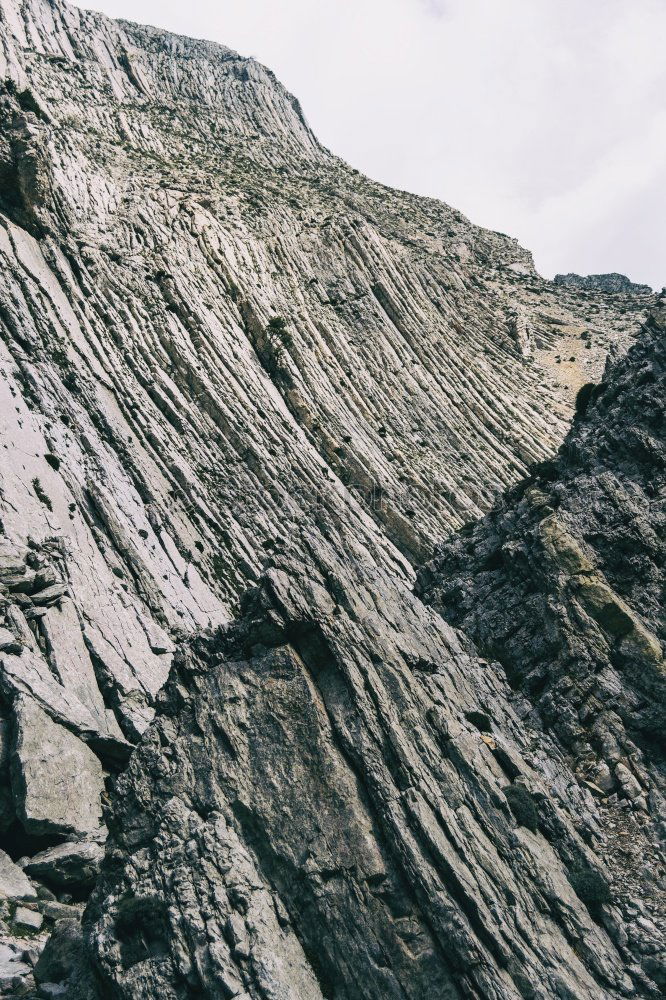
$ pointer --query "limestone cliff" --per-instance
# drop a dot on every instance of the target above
(563, 583)
(225, 354)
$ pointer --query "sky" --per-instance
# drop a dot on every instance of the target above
(544, 119)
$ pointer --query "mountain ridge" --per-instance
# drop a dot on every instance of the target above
(613, 282)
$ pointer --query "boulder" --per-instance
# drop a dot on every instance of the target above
(72, 864)
(13, 882)
(64, 951)
(57, 780)
(26, 919)
(49, 595)
(12, 968)
(60, 911)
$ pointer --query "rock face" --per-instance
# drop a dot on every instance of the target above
(612, 283)
(563, 583)
(321, 810)
(57, 781)
(228, 360)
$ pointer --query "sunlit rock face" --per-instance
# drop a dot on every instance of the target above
(613, 282)
(230, 361)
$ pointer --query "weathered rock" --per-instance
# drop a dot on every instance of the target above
(63, 957)
(563, 583)
(73, 864)
(57, 780)
(13, 882)
(29, 675)
(49, 595)
(54, 910)
(401, 364)
(25, 919)
(70, 661)
(13, 971)
(612, 283)
(333, 748)
(229, 358)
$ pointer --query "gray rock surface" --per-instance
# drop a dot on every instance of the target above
(56, 779)
(563, 583)
(564, 580)
(27, 920)
(62, 960)
(343, 751)
(230, 360)
(13, 971)
(71, 864)
(14, 883)
(613, 283)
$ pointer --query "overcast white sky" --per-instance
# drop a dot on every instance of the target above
(545, 119)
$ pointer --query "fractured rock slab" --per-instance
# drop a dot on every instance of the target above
(13, 882)
(57, 779)
(70, 658)
(27, 919)
(29, 674)
(72, 864)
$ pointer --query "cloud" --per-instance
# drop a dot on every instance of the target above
(535, 117)
(437, 8)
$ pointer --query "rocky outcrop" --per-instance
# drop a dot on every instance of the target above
(322, 808)
(57, 781)
(563, 583)
(226, 354)
(612, 283)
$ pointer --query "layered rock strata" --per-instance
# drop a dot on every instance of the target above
(223, 350)
(328, 805)
(563, 583)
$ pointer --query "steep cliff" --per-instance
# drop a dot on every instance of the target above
(564, 580)
(223, 352)
(337, 799)
(563, 583)
(340, 798)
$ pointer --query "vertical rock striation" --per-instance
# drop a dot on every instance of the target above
(563, 583)
(323, 808)
(228, 360)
